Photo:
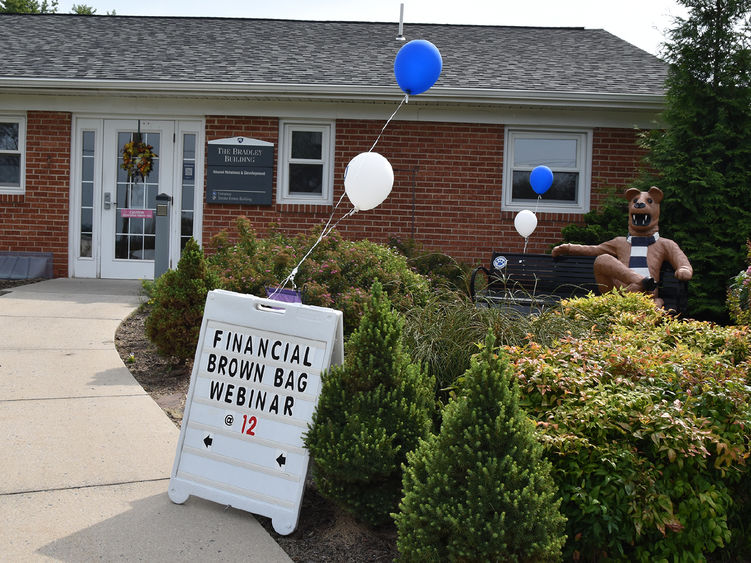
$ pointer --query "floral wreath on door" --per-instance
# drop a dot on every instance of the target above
(137, 158)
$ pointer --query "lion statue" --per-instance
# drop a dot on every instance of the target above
(633, 262)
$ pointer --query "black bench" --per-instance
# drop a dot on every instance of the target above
(531, 282)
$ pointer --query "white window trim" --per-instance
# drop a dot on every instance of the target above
(327, 154)
(21, 120)
(584, 168)
(195, 128)
(86, 266)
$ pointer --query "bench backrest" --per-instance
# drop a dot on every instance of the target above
(568, 276)
(541, 274)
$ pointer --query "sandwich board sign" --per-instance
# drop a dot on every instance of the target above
(253, 390)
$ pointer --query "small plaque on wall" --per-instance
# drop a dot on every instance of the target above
(240, 171)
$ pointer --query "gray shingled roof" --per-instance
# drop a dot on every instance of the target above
(262, 51)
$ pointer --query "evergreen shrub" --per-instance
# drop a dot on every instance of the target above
(739, 294)
(608, 221)
(177, 301)
(700, 158)
(371, 411)
(481, 490)
(646, 420)
(337, 274)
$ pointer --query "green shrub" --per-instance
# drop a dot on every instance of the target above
(441, 269)
(614, 308)
(444, 332)
(610, 220)
(739, 294)
(646, 422)
(480, 490)
(177, 299)
(372, 410)
(337, 274)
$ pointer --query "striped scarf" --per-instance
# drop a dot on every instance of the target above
(638, 260)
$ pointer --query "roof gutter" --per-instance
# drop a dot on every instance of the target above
(329, 92)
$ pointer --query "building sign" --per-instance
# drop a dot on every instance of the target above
(254, 387)
(239, 170)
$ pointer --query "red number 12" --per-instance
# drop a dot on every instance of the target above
(249, 425)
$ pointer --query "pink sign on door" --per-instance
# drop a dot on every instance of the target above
(137, 213)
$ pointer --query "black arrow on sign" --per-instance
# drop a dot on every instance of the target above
(208, 440)
(281, 460)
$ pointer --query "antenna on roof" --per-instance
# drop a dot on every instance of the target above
(401, 37)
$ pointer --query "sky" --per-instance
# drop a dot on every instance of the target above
(640, 22)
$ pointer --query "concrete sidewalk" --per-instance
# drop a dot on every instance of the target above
(86, 453)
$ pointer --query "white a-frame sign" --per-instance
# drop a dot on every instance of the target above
(253, 391)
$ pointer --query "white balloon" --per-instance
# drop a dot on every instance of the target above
(368, 180)
(525, 222)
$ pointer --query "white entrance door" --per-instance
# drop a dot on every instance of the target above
(128, 204)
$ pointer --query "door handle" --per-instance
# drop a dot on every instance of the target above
(107, 200)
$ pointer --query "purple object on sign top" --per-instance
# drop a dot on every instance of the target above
(283, 295)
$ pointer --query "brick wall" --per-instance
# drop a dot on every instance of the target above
(292, 218)
(446, 190)
(616, 159)
(37, 221)
(447, 186)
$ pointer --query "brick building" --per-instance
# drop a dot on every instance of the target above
(74, 89)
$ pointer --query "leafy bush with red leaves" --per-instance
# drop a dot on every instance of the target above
(338, 273)
(647, 420)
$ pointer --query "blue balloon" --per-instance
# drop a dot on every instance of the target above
(417, 66)
(541, 178)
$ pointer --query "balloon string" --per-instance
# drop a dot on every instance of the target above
(526, 240)
(328, 228)
(325, 232)
(405, 100)
(539, 197)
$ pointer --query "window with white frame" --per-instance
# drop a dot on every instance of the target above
(12, 142)
(566, 153)
(306, 162)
